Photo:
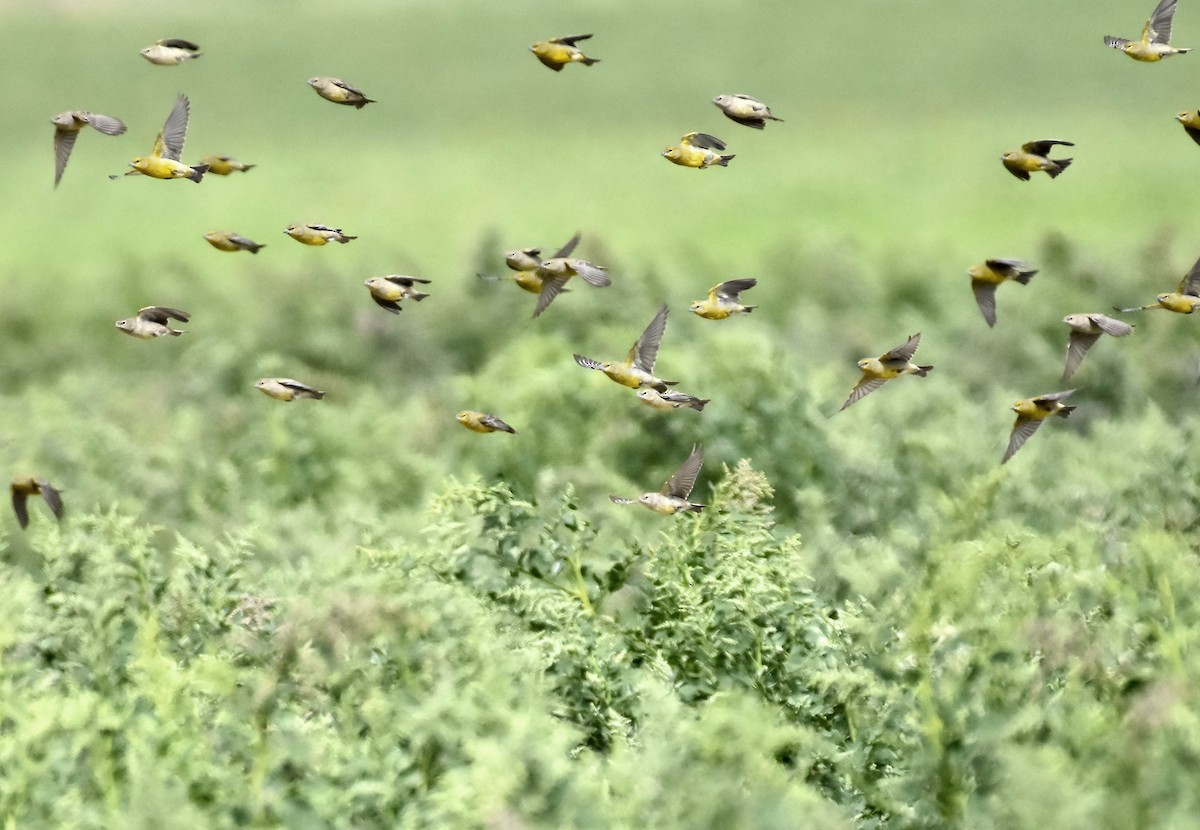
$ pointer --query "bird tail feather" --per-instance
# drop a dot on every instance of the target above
(1062, 165)
(724, 160)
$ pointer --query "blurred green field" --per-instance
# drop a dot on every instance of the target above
(858, 215)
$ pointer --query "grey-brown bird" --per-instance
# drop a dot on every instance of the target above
(66, 129)
(673, 497)
(23, 487)
(286, 389)
(340, 92)
(745, 110)
(558, 269)
(1155, 42)
(171, 51)
(878, 370)
(1085, 331)
(153, 321)
(1034, 156)
(671, 399)
(985, 276)
(1030, 414)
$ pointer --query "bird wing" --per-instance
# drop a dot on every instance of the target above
(238, 239)
(1022, 429)
(1042, 147)
(1106, 324)
(495, 423)
(592, 274)
(704, 140)
(1007, 267)
(170, 141)
(1046, 401)
(551, 288)
(645, 350)
(564, 251)
(1190, 284)
(903, 353)
(52, 497)
(587, 362)
(570, 40)
(1158, 27)
(681, 484)
(731, 288)
(162, 314)
(64, 142)
(1193, 132)
(755, 121)
(297, 386)
(985, 298)
(105, 123)
(388, 305)
(1077, 346)
(179, 43)
(1012, 167)
(348, 87)
(19, 503)
(407, 282)
(865, 386)
(323, 228)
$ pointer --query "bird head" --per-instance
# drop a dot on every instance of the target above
(1009, 156)
(372, 282)
(463, 416)
(314, 81)
(125, 325)
(1179, 116)
(147, 50)
(645, 498)
(672, 152)
(63, 119)
(1162, 298)
(720, 99)
(975, 271)
(864, 363)
(645, 394)
(138, 163)
(696, 307)
(290, 230)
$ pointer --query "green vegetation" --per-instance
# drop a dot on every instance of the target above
(355, 613)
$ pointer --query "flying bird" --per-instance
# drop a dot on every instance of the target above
(66, 129)
(387, 292)
(555, 271)
(637, 371)
(23, 487)
(340, 92)
(224, 165)
(1030, 414)
(286, 389)
(723, 300)
(1034, 156)
(1190, 120)
(671, 400)
(523, 263)
(1085, 331)
(988, 274)
(163, 161)
(153, 321)
(878, 370)
(1184, 299)
(697, 150)
(673, 497)
(745, 110)
(171, 51)
(1155, 43)
(557, 52)
(317, 234)
(482, 422)
(230, 241)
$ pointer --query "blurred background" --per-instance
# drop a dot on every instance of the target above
(858, 215)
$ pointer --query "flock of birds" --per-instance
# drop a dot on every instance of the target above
(547, 278)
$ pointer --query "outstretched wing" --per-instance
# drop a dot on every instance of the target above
(865, 387)
(162, 315)
(565, 250)
(680, 485)
(1077, 348)
(1022, 429)
(1042, 147)
(570, 40)
(170, 141)
(645, 350)
(904, 353)
(64, 142)
(1158, 27)
(731, 288)
(1190, 284)
(52, 497)
(985, 298)
(551, 288)
(704, 140)
(20, 506)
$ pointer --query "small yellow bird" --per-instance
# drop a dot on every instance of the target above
(317, 234)
(524, 263)
(673, 497)
(224, 165)
(340, 92)
(878, 370)
(1184, 299)
(1030, 414)
(1033, 156)
(697, 150)
(671, 400)
(163, 161)
(171, 51)
(230, 241)
(1085, 331)
(482, 422)
(1156, 36)
(557, 52)
(723, 300)
(637, 371)
(66, 129)
(153, 321)
(286, 389)
(387, 292)
(1190, 120)
(988, 274)
(745, 110)
(23, 487)
(555, 271)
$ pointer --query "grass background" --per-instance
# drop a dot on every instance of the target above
(858, 215)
